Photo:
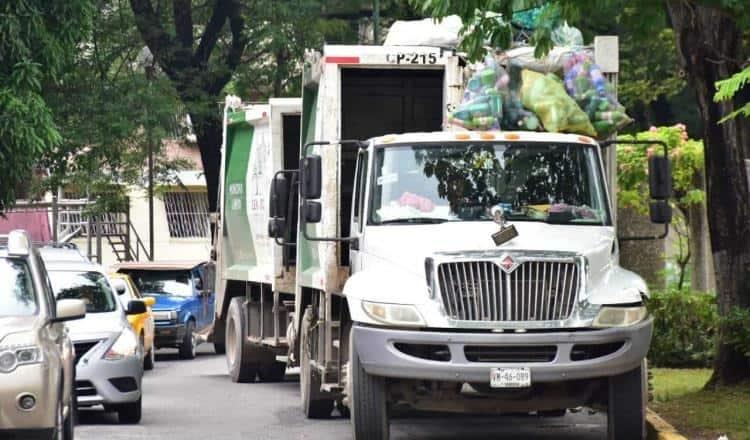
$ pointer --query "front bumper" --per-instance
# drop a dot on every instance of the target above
(168, 334)
(377, 351)
(100, 381)
(40, 381)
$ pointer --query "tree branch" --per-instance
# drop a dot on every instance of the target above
(236, 48)
(161, 44)
(183, 22)
(211, 33)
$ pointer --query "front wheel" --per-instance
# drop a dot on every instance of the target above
(129, 413)
(626, 409)
(187, 347)
(368, 403)
(313, 404)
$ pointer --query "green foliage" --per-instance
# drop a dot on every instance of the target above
(726, 89)
(737, 327)
(37, 40)
(685, 325)
(685, 154)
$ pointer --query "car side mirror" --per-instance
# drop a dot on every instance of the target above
(660, 212)
(69, 310)
(119, 286)
(198, 284)
(149, 301)
(312, 211)
(659, 178)
(311, 177)
(136, 307)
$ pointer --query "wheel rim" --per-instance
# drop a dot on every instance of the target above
(231, 339)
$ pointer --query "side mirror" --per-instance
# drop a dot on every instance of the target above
(279, 196)
(311, 177)
(660, 212)
(312, 211)
(659, 178)
(198, 283)
(119, 286)
(136, 307)
(149, 301)
(276, 227)
(69, 310)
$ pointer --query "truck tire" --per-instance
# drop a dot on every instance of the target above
(241, 368)
(626, 409)
(187, 347)
(369, 407)
(314, 405)
(219, 336)
(272, 372)
(220, 348)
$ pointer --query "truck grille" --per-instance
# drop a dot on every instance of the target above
(532, 291)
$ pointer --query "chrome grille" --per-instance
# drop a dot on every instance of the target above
(533, 291)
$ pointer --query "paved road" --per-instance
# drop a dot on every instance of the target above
(186, 400)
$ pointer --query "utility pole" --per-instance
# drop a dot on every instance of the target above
(150, 198)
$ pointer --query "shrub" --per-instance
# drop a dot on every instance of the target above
(738, 329)
(685, 326)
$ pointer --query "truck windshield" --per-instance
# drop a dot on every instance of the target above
(163, 282)
(90, 287)
(17, 295)
(433, 183)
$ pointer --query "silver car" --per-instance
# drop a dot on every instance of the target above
(109, 365)
(36, 355)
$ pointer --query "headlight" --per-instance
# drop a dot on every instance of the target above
(165, 315)
(125, 345)
(613, 316)
(393, 314)
(14, 357)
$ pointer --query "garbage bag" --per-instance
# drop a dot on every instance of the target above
(545, 95)
(492, 101)
(585, 83)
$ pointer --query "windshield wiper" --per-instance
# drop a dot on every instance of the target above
(414, 220)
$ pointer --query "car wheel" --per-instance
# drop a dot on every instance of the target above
(626, 407)
(149, 359)
(313, 404)
(129, 413)
(187, 347)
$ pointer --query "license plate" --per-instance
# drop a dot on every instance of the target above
(510, 377)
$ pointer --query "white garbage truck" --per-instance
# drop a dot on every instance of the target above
(422, 268)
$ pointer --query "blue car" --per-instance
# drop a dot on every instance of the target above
(184, 308)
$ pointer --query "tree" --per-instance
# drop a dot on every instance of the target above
(709, 41)
(37, 40)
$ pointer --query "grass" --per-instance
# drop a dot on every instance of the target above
(699, 414)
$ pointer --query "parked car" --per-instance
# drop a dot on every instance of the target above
(143, 324)
(36, 355)
(109, 363)
(184, 308)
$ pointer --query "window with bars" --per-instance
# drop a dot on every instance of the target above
(187, 214)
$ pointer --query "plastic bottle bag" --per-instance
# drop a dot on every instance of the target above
(545, 95)
(585, 83)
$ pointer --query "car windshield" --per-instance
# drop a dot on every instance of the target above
(434, 183)
(17, 293)
(91, 287)
(163, 282)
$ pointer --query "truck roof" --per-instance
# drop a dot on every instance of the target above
(519, 136)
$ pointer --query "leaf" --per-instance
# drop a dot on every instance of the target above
(727, 88)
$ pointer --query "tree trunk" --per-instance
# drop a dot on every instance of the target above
(710, 47)
(208, 131)
(700, 280)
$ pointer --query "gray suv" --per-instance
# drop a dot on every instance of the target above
(109, 361)
(36, 354)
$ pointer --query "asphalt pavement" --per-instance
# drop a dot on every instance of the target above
(196, 400)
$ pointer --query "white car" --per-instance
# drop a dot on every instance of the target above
(109, 364)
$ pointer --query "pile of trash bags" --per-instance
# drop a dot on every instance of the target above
(575, 98)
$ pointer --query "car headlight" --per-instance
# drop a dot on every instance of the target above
(613, 316)
(125, 345)
(165, 315)
(393, 314)
(10, 358)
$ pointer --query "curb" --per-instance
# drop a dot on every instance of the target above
(659, 429)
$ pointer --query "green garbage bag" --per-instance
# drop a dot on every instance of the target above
(545, 95)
